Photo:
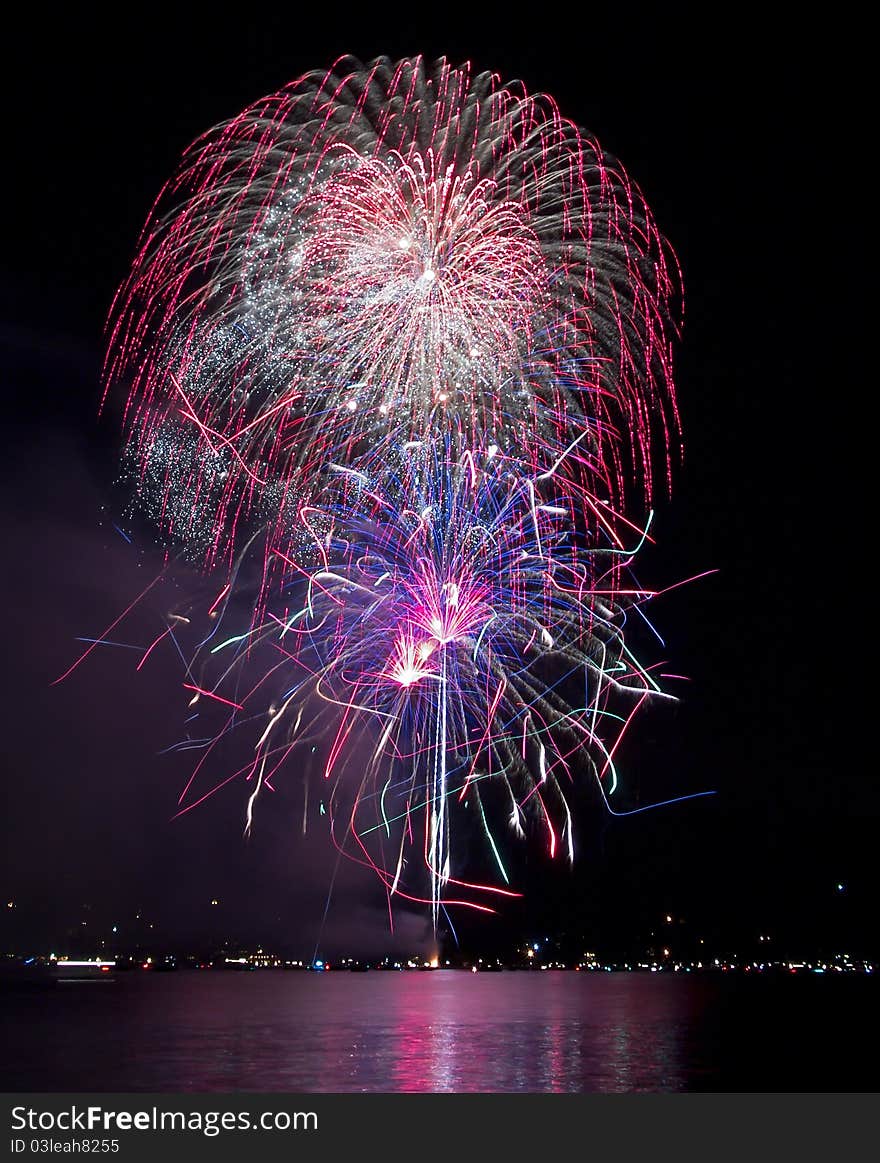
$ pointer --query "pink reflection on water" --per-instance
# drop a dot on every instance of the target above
(442, 1031)
(547, 1033)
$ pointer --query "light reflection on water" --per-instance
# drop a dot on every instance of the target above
(559, 1032)
(439, 1031)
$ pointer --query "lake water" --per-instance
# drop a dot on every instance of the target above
(443, 1031)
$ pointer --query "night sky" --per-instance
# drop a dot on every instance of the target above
(731, 146)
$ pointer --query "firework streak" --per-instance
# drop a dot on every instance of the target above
(399, 337)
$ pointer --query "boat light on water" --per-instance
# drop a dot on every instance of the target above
(84, 970)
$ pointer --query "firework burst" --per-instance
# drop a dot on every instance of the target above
(457, 630)
(393, 250)
(408, 331)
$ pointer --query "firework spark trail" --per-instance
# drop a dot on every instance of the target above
(399, 337)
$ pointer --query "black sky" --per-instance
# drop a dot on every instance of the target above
(728, 131)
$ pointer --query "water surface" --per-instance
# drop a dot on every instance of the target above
(442, 1031)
